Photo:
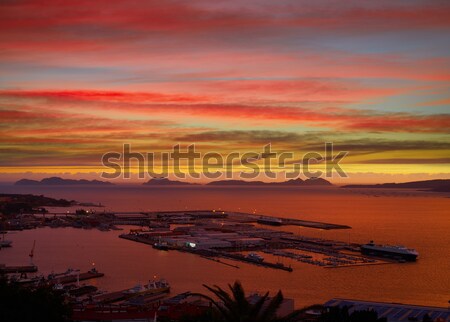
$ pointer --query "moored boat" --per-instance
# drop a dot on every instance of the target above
(270, 221)
(255, 257)
(161, 246)
(152, 288)
(391, 251)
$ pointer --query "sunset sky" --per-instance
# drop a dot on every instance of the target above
(80, 78)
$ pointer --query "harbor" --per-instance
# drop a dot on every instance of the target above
(183, 243)
(247, 238)
(109, 220)
(225, 161)
(87, 302)
(227, 238)
(154, 300)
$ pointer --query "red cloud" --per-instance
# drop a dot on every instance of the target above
(106, 96)
(333, 117)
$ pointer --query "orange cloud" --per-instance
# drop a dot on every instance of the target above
(337, 118)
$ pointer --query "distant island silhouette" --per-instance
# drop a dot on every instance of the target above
(167, 182)
(293, 182)
(57, 181)
(437, 185)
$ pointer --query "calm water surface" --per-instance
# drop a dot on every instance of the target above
(416, 219)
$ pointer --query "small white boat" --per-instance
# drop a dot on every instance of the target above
(255, 257)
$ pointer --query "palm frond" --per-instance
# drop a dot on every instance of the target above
(269, 312)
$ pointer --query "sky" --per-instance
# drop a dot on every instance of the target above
(81, 78)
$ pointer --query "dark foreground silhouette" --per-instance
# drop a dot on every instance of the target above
(44, 304)
(21, 304)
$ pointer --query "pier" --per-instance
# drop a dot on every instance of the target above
(17, 269)
(240, 257)
(312, 224)
(225, 234)
(233, 235)
(75, 219)
(211, 254)
(67, 279)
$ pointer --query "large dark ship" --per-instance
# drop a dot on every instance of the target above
(392, 251)
(270, 221)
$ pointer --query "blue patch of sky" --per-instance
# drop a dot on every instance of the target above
(17, 74)
(413, 43)
(413, 101)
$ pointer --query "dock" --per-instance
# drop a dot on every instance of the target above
(212, 254)
(219, 261)
(67, 279)
(312, 224)
(144, 218)
(240, 257)
(18, 269)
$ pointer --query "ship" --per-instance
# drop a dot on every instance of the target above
(160, 286)
(72, 276)
(160, 246)
(270, 221)
(392, 251)
(255, 257)
(155, 288)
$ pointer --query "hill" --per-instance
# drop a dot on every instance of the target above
(57, 181)
(167, 182)
(293, 182)
(434, 185)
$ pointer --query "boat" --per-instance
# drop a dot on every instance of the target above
(255, 257)
(270, 221)
(153, 287)
(392, 251)
(161, 246)
(146, 300)
(73, 275)
(69, 272)
(160, 286)
(5, 243)
(23, 279)
(81, 290)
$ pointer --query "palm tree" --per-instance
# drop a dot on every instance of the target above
(235, 307)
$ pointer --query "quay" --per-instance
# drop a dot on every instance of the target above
(239, 257)
(218, 233)
(244, 237)
(17, 269)
(144, 218)
(312, 224)
(211, 253)
(219, 261)
(67, 279)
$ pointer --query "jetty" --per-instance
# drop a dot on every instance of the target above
(72, 278)
(17, 269)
